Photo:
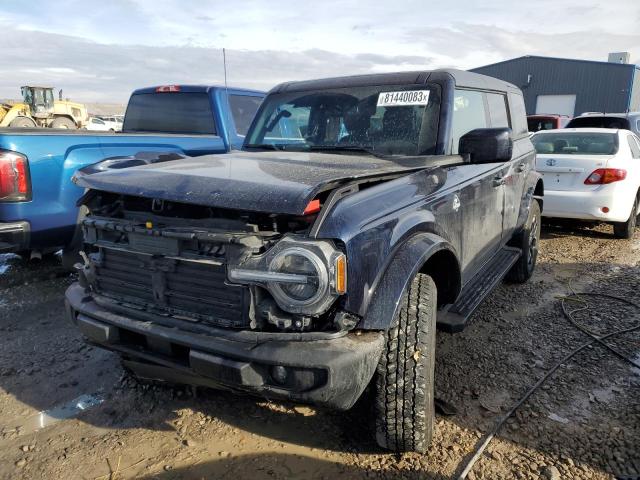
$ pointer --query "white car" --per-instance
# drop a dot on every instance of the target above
(590, 174)
(114, 122)
(98, 125)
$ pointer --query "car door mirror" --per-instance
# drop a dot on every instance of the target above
(487, 145)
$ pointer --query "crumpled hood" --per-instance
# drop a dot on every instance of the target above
(275, 182)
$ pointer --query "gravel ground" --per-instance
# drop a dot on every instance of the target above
(583, 423)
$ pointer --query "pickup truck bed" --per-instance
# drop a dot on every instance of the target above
(54, 157)
(44, 218)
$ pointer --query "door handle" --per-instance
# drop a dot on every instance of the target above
(498, 181)
(521, 168)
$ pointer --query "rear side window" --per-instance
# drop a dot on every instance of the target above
(518, 114)
(175, 112)
(633, 145)
(243, 109)
(599, 122)
(498, 110)
(469, 113)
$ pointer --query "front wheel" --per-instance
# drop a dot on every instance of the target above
(626, 229)
(22, 122)
(404, 378)
(528, 241)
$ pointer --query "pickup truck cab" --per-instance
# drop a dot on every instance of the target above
(316, 263)
(539, 122)
(38, 209)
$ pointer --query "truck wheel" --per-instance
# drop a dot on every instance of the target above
(528, 241)
(404, 379)
(22, 122)
(63, 122)
(628, 228)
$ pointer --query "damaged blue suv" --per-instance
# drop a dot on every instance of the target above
(316, 263)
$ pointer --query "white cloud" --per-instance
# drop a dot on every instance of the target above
(100, 51)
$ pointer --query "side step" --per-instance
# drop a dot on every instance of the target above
(453, 318)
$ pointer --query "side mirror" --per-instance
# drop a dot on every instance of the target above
(487, 145)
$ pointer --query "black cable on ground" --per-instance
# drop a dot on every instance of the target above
(569, 315)
(595, 339)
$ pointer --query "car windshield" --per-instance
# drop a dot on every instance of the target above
(575, 143)
(382, 120)
(541, 123)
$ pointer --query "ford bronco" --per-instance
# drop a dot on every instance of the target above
(315, 264)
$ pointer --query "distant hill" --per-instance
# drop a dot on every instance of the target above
(95, 109)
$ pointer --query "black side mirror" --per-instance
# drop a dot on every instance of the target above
(487, 145)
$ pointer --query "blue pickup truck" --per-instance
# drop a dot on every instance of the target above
(38, 212)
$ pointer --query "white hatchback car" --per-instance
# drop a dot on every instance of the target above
(591, 174)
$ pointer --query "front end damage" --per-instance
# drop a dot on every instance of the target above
(222, 298)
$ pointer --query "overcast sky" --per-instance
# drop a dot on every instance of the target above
(101, 50)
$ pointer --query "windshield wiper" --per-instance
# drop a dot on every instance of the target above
(265, 146)
(342, 148)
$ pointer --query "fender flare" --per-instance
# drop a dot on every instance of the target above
(530, 193)
(400, 271)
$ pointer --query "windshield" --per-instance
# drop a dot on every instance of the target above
(384, 119)
(541, 123)
(575, 143)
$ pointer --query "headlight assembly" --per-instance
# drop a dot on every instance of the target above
(303, 276)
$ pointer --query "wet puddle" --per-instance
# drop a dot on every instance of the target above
(45, 418)
(4, 264)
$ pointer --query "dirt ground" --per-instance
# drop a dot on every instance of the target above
(583, 423)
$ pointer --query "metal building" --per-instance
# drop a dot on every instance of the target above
(571, 87)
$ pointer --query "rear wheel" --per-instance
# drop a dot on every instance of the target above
(404, 378)
(528, 241)
(627, 229)
(22, 122)
(63, 122)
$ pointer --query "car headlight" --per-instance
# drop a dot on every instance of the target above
(313, 277)
(303, 276)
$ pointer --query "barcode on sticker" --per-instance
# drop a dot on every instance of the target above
(403, 98)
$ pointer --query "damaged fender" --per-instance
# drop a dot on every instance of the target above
(400, 271)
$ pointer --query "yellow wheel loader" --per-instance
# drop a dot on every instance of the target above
(39, 109)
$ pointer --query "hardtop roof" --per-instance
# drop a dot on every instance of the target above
(461, 78)
(198, 89)
(612, 114)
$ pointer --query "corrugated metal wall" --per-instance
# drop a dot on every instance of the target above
(598, 86)
(635, 93)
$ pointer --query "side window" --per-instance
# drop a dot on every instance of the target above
(633, 144)
(469, 113)
(243, 109)
(518, 114)
(498, 110)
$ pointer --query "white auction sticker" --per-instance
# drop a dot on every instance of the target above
(403, 98)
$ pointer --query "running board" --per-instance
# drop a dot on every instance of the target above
(454, 317)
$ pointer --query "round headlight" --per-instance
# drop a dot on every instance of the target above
(302, 262)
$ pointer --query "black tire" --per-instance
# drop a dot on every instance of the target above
(63, 122)
(528, 241)
(626, 229)
(403, 396)
(22, 122)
